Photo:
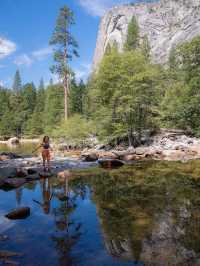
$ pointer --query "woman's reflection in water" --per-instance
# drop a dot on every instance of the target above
(47, 194)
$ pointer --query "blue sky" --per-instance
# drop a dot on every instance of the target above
(26, 27)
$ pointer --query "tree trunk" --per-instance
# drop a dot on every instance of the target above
(66, 100)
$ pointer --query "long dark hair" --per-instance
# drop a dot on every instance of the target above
(45, 137)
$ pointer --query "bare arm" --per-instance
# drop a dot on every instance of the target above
(37, 148)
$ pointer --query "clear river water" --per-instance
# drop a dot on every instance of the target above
(143, 214)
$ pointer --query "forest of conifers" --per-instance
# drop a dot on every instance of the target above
(127, 95)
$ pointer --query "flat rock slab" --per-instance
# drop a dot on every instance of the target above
(110, 163)
(20, 213)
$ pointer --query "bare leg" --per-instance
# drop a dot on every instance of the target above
(44, 164)
(48, 164)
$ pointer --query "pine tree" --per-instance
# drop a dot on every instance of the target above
(54, 107)
(132, 41)
(17, 84)
(78, 92)
(66, 48)
(35, 125)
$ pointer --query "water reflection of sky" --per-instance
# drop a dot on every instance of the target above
(33, 236)
(148, 213)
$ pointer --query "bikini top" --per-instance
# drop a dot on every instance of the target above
(45, 146)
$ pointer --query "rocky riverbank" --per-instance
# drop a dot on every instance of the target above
(169, 145)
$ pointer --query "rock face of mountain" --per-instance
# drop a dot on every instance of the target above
(166, 23)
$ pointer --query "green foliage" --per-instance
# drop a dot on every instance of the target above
(62, 39)
(124, 95)
(17, 84)
(181, 104)
(132, 41)
(53, 112)
(77, 97)
(75, 130)
(65, 47)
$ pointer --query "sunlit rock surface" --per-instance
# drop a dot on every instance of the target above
(166, 23)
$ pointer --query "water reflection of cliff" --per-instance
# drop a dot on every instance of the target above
(149, 217)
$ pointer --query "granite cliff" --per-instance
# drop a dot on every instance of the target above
(166, 23)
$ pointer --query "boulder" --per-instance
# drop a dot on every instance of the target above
(108, 155)
(129, 157)
(13, 141)
(174, 155)
(21, 172)
(4, 157)
(10, 155)
(141, 150)
(89, 157)
(110, 163)
(10, 183)
(20, 213)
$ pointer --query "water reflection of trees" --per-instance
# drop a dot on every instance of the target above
(68, 229)
(142, 209)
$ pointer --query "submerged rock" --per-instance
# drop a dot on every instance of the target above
(110, 163)
(20, 213)
(7, 254)
(10, 183)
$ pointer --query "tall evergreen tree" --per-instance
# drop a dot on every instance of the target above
(17, 83)
(78, 92)
(132, 41)
(54, 106)
(65, 49)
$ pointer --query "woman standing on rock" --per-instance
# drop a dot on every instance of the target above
(46, 156)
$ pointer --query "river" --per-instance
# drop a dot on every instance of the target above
(144, 214)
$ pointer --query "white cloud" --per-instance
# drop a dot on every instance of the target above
(6, 47)
(23, 59)
(1, 83)
(99, 7)
(42, 53)
(83, 71)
